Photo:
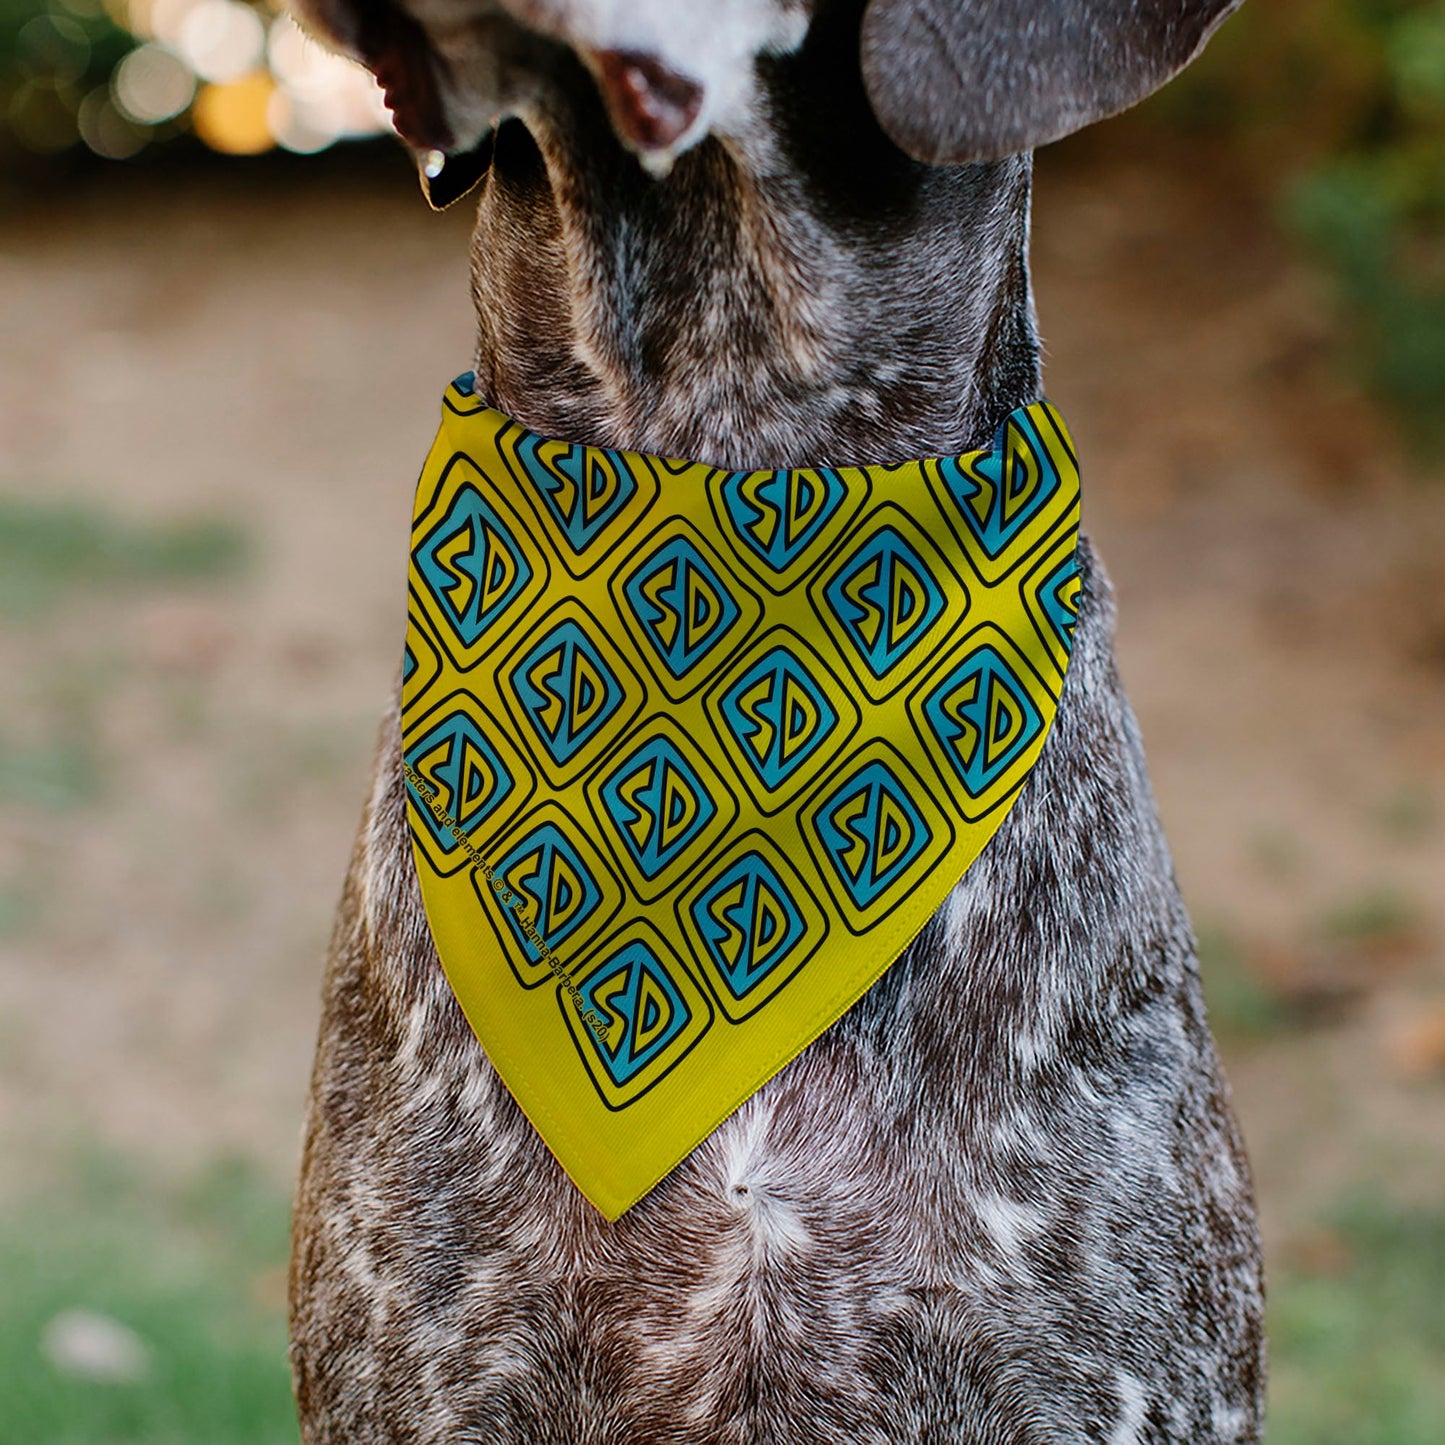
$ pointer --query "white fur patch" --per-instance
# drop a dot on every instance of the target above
(1133, 1402)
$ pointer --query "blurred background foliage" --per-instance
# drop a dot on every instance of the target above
(115, 79)
(150, 1310)
(1338, 106)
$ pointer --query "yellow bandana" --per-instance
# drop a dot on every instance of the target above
(694, 754)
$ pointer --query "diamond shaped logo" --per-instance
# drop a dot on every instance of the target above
(885, 598)
(778, 714)
(999, 492)
(471, 564)
(779, 514)
(566, 689)
(643, 1008)
(684, 607)
(657, 803)
(749, 923)
(465, 772)
(871, 831)
(983, 715)
(548, 872)
(583, 488)
(1059, 597)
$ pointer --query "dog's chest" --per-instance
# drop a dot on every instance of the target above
(1014, 1148)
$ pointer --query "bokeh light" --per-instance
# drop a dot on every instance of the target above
(42, 114)
(152, 84)
(106, 130)
(320, 97)
(117, 76)
(57, 43)
(232, 117)
(221, 40)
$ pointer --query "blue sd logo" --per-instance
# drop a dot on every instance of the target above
(871, 831)
(682, 604)
(470, 780)
(1059, 596)
(779, 514)
(583, 488)
(643, 1008)
(545, 869)
(983, 715)
(778, 714)
(885, 598)
(657, 804)
(471, 565)
(566, 690)
(1001, 491)
(748, 923)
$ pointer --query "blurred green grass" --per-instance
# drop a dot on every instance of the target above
(1358, 1345)
(1357, 1318)
(1241, 1005)
(50, 549)
(194, 1273)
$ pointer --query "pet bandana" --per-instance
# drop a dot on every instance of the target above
(692, 754)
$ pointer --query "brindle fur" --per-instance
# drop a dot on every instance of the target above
(1003, 1199)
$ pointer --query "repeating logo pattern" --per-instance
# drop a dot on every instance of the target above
(549, 885)
(1001, 502)
(472, 565)
(705, 749)
(653, 1011)
(547, 870)
(752, 922)
(657, 804)
(1059, 594)
(886, 598)
(779, 515)
(871, 830)
(779, 715)
(749, 923)
(584, 488)
(458, 761)
(682, 604)
(566, 690)
(998, 493)
(472, 775)
(634, 989)
(984, 717)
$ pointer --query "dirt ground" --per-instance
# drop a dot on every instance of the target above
(182, 765)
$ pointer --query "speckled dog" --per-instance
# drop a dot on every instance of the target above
(1003, 1198)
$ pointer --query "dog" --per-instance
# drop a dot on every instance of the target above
(1003, 1198)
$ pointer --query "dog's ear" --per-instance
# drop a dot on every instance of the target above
(974, 80)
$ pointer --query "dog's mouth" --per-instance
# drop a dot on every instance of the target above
(447, 177)
(438, 84)
(651, 109)
(394, 45)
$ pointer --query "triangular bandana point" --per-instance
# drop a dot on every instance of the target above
(692, 755)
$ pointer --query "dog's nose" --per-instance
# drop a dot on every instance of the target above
(650, 105)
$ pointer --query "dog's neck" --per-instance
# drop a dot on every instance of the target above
(804, 296)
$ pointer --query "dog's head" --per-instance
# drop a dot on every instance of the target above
(949, 81)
